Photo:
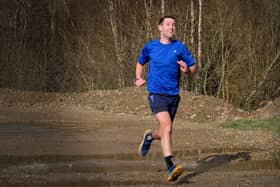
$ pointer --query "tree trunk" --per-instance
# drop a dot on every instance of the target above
(192, 23)
(148, 17)
(198, 85)
(266, 73)
(116, 41)
(162, 8)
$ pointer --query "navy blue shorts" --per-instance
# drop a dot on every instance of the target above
(162, 102)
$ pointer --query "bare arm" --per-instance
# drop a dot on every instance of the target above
(139, 80)
(192, 70)
(184, 68)
(139, 70)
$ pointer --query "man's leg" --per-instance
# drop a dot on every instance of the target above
(165, 130)
(164, 109)
(165, 135)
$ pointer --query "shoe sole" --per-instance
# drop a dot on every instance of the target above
(177, 172)
(140, 146)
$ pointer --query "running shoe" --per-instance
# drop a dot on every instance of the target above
(174, 172)
(146, 143)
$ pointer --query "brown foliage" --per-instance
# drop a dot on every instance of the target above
(68, 45)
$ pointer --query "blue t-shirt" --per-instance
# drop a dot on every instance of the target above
(164, 71)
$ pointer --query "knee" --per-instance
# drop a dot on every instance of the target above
(167, 129)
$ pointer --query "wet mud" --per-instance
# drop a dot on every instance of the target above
(101, 153)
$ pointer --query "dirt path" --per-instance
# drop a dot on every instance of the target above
(70, 148)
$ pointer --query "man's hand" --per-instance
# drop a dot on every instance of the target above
(183, 66)
(140, 82)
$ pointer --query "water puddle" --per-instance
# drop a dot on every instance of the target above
(101, 163)
(41, 128)
(108, 170)
(178, 154)
(250, 165)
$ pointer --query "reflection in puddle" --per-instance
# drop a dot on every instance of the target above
(56, 170)
(251, 165)
(95, 163)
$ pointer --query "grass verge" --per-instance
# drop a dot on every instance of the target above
(272, 124)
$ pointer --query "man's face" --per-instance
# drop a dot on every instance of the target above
(167, 28)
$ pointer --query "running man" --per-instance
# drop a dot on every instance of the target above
(167, 57)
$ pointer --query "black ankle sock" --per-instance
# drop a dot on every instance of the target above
(169, 161)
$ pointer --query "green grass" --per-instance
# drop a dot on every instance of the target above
(272, 124)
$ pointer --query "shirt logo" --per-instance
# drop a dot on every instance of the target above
(175, 51)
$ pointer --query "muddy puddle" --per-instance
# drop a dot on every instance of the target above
(28, 158)
(100, 163)
(50, 170)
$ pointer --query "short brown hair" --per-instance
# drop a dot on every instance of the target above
(164, 17)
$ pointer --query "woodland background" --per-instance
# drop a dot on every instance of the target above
(83, 45)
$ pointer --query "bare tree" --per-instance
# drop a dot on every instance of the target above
(113, 22)
(267, 71)
(20, 35)
(148, 10)
(162, 8)
(192, 23)
(236, 44)
(199, 35)
(199, 65)
(227, 45)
